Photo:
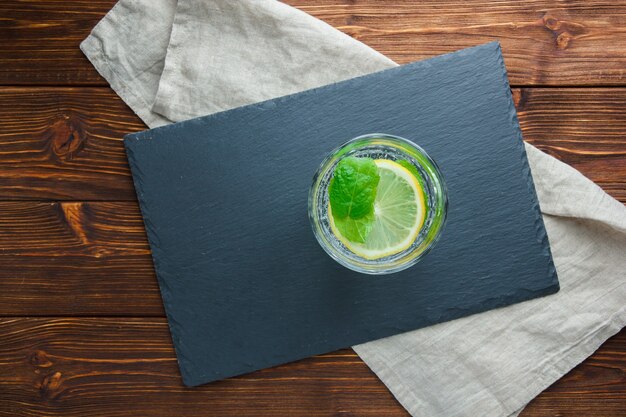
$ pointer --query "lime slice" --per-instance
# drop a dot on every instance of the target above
(399, 211)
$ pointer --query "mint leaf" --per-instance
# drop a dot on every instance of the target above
(413, 170)
(355, 230)
(352, 189)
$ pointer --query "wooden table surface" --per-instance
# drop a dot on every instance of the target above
(82, 328)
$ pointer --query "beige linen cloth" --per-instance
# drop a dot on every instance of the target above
(173, 60)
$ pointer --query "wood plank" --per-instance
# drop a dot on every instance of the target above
(581, 127)
(65, 143)
(581, 42)
(39, 41)
(544, 42)
(124, 366)
(75, 259)
(111, 367)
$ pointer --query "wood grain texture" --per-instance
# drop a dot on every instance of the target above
(114, 367)
(75, 258)
(39, 41)
(65, 143)
(545, 42)
(584, 128)
(126, 366)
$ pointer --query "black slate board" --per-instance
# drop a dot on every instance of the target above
(224, 199)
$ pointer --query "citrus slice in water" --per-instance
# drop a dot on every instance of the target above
(399, 211)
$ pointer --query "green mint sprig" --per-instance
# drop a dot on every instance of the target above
(352, 192)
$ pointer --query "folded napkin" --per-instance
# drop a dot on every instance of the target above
(173, 60)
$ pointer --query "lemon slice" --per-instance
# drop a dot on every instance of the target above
(399, 211)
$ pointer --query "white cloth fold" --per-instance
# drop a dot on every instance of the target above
(172, 60)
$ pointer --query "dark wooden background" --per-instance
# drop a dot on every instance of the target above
(82, 329)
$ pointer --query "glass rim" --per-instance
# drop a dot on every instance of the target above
(324, 235)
